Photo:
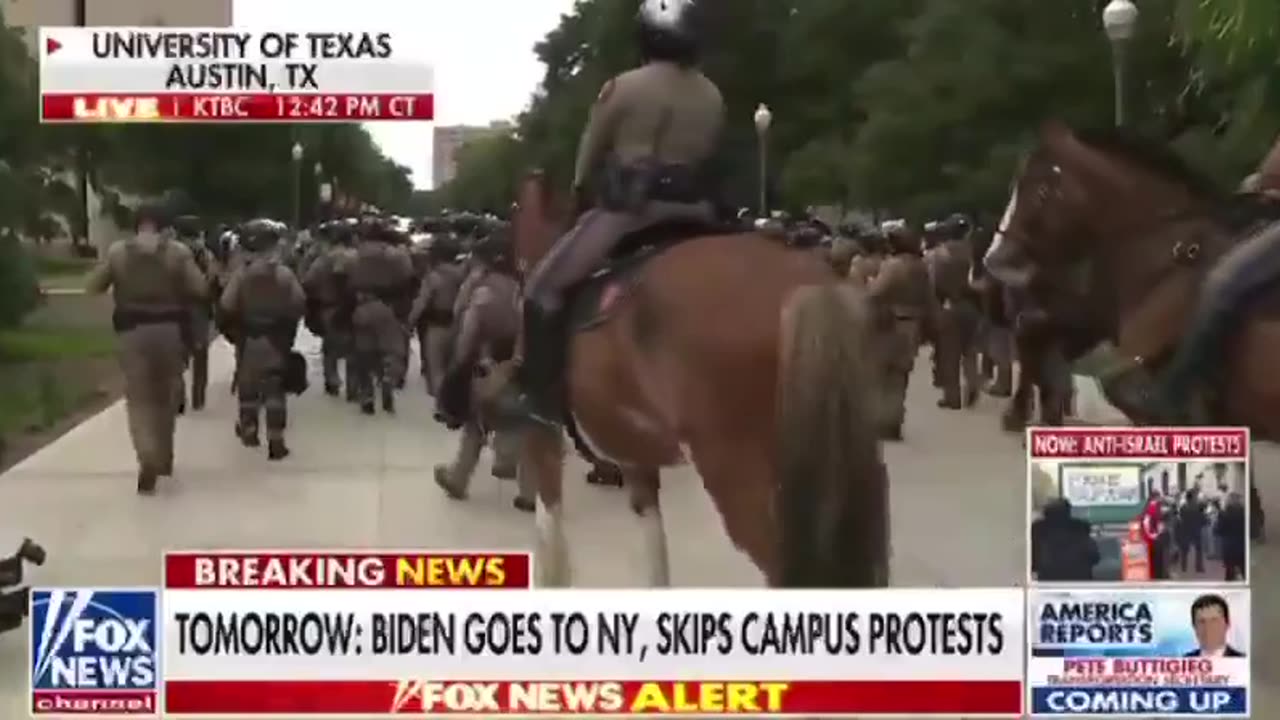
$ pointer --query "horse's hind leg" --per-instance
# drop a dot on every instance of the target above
(543, 456)
(645, 485)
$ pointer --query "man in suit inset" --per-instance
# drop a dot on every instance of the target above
(1211, 619)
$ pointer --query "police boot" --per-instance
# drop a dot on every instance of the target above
(147, 481)
(199, 379)
(538, 377)
(247, 429)
(276, 449)
(388, 399)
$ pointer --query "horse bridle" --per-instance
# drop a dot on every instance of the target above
(1182, 253)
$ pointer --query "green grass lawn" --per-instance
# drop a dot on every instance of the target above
(56, 363)
(61, 265)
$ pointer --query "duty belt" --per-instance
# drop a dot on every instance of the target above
(125, 319)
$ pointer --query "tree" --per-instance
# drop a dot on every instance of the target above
(925, 106)
(488, 170)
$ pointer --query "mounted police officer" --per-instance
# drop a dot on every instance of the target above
(154, 280)
(900, 291)
(381, 287)
(653, 129)
(1236, 278)
(190, 232)
(266, 301)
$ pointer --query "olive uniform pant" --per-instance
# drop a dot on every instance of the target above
(151, 359)
(262, 391)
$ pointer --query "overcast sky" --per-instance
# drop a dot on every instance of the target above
(482, 51)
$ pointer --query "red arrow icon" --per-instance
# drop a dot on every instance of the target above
(52, 46)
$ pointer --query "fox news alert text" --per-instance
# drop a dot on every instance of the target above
(135, 74)
(1142, 653)
(291, 634)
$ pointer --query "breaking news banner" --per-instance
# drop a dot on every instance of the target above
(1138, 504)
(1146, 653)
(94, 652)
(356, 634)
(150, 74)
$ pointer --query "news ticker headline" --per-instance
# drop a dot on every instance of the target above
(1209, 443)
(129, 74)
(290, 633)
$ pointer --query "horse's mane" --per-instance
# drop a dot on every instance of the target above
(1151, 155)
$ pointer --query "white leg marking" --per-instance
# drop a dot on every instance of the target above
(655, 547)
(551, 554)
(998, 241)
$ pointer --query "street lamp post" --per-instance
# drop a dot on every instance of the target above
(1119, 19)
(296, 151)
(320, 213)
(763, 119)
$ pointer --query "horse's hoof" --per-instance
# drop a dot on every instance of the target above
(441, 473)
(504, 472)
(524, 505)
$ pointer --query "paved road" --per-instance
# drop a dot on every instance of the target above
(958, 506)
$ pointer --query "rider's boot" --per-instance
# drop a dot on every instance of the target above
(536, 396)
(1166, 399)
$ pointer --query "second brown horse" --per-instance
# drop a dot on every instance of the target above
(746, 359)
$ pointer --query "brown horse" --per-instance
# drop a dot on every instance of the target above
(1145, 229)
(747, 359)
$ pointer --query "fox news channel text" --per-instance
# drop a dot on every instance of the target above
(94, 652)
(133, 74)
(275, 642)
(1142, 653)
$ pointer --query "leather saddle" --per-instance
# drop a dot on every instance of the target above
(591, 302)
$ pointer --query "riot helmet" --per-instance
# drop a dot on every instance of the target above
(668, 31)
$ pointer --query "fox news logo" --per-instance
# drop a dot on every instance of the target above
(93, 652)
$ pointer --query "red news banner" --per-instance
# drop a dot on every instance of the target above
(134, 74)
(321, 633)
(347, 107)
(1153, 443)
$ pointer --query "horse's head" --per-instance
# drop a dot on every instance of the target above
(1081, 191)
(1097, 213)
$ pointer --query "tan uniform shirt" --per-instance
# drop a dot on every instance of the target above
(658, 111)
(264, 287)
(902, 286)
(178, 282)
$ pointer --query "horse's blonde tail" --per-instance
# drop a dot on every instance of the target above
(833, 492)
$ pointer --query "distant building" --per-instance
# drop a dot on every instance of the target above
(448, 138)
